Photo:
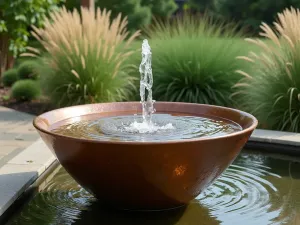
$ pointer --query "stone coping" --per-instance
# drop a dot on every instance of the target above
(21, 171)
(283, 143)
(276, 137)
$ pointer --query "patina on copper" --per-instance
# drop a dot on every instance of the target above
(145, 175)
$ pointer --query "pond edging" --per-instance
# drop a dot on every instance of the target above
(20, 172)
(275, 142)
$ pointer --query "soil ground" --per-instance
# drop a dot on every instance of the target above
(35, 107)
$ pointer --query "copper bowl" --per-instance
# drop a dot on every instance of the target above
(145, 175)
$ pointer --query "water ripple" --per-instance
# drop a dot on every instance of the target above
(60, 202)
(115, 128)
(245, 191)
(249, 192)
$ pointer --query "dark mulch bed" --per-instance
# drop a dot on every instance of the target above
(35, 107)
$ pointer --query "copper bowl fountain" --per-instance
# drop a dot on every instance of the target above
(145, 175)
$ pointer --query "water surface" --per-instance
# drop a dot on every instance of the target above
(164, 127)
(256, 189)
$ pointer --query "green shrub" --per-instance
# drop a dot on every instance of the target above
(9, 77)
(194, 60)
(25, 90)
(271, 89)
(250, 13)
(16, 17)
(85, 67)
(28, 70)
(139, 13)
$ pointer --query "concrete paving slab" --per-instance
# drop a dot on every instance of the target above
(21, 171)
(37, 154)
(276, 137)
(15, 179)
(5, 150)
(16, 131)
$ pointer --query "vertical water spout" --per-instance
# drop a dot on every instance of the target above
(146, 83)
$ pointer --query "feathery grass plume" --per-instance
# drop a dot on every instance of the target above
(86, 57)
(193, 26)
(194, 59)
(271, 89)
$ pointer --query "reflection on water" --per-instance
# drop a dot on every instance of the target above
(256, 190)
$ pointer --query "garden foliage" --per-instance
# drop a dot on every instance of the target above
(194, 60)
(250, 13)
(28, 70)
(9, 77)
(271, 88)
(16, 16)
(138, 12)
(85, 60)
(25, 90)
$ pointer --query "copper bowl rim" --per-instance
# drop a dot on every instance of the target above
(200, 139)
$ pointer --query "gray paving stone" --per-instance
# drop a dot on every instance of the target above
(36, 154)
(268, 133)
(7, 114)
(6, 199)
(2, 129)
(19, 136)
(276, 137)
(4, 150)
(20, 165)
(14, 143)
(14, 179)
(291, 139)
(5, 159)
(21, 171)
(27, 128)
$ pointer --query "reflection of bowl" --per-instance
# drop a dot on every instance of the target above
(145, 175)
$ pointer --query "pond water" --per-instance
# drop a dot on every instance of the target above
(257, 189)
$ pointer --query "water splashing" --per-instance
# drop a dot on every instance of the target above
(146, 83)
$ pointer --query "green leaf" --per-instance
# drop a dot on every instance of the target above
(6, 97)
(18, 15)
(21, 18)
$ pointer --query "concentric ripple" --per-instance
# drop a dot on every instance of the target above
(60, 202)
(247, 191)
(255, 190)
(168, 128)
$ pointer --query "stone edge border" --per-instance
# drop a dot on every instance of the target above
(23, 170)
(275, 142)
(277, 137)
(20, 172)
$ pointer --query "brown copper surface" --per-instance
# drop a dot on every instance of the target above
(145, 175)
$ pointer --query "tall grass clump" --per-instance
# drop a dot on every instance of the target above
(194, 60)
(271, 88)
(85, 59)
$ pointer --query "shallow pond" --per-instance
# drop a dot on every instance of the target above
(257, 189)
